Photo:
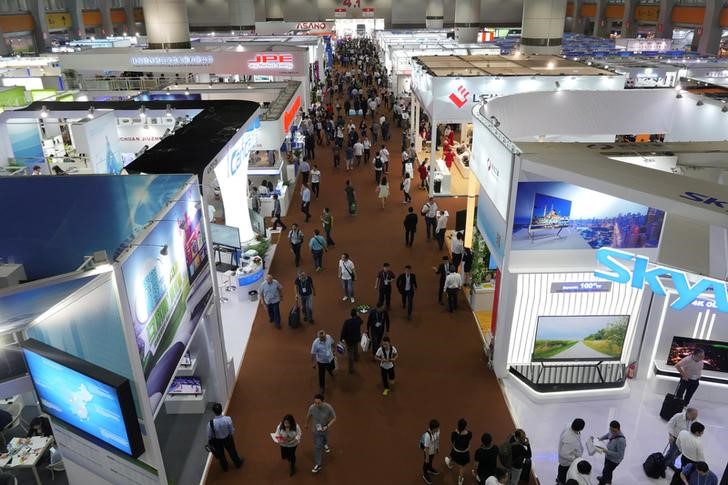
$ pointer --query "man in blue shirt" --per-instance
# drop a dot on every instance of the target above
(698, 474)
(220, 432)
(322, 355)
(271, 296)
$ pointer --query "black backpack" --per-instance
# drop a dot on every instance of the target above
(378, 163)
(655, 466)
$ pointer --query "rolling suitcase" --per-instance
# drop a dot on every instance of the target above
(294, 317)
(654, 466)
(671, 406)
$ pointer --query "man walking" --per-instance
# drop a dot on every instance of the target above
(305, 292)
(442, 270)
(410, 227)
(429, 210)
(430, 445)
(305, 169)
(383, 283)
(406, 285)
(680, 422)
(613, 453)
(317, 244)
(347, 275)
(351, 336)
(295, 238)
(277, 221)
(327, 222)
(220, 433)
(441, 227)
(323, 416)
(358, 152)
(453, 282)
(377, 326)
(306, 202)
(384, 155)
(322, 356)
(690, 369)
(271, 295)
(315, 180)
(570, 448)
(690, 444)
(350, 198)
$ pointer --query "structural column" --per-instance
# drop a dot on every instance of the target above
(4, 49)
(273, 11)
(577, 22)
(435, 14)
(467, 20)
(664, 20)
(40, 33)
(107, 25)
(242, 14)
(629, 26)
(600, 19)
(75, 10)
(709, 42)
(130, 24)
(167, 24)
(542, 26)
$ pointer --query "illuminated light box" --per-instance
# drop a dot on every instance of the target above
(93, 401)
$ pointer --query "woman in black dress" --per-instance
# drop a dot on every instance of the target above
(460, 452)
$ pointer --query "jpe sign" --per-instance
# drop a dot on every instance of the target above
(271, 61)
(643, 273)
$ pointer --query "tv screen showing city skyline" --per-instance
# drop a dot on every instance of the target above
(557, 215)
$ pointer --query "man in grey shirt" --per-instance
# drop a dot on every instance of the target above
(220, 432)
(613, 453)
(271, 295)
(323, 416)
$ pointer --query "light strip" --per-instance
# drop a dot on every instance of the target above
(710, 327)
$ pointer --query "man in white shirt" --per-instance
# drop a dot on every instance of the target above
(456, 248)
(358, 152)
(690, 444)
(690, 369)
(680, 422)
(440, 228)
(430, 445)
(429, 210)
(570, 448)
(306, 202)
(500, 477)
(384, 155)
(347, 275)
(453, 282)
(580, 471)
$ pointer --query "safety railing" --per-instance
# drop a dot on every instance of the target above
(559, 377)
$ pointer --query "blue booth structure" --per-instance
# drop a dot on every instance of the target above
(120, 277)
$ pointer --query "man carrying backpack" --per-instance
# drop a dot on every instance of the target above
(430, 445)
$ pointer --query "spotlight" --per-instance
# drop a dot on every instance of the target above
(142, 112)
(724, 109)
(44, 112)
(168, 112)
(699, 103)
(187, 92)
(557, 84)
(91, 112)
(164, 251)
(678, 95)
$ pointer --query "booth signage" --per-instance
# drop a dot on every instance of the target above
(644, 273)
(290, 114)
(314, 26)
(271, 61)
(181, 60)
(581, 286)
(706, 199)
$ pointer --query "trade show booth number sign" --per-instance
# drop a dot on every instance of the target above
(643, 273)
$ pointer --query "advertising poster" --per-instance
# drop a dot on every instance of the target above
(556, 215)
(168, 284)
(492, 227)
(492, 163)
(26, 144)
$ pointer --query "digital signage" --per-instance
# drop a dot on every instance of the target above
(716, 353)
(92, 400)
(587, 337)
(557, 215)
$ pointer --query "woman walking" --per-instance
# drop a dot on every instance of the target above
(350, 198)
(406, 185)
(383, 191)
(460, 452)
(288, 435)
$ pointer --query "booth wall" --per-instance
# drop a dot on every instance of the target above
(709, 123)
(492, 226)
(534, 298)
(492, 164)
(96, 213)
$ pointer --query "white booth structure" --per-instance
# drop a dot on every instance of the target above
(611, 256)
(641, 72)
(446, 88)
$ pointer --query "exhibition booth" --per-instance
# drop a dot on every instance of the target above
(641, 72)
(116, 333)
(562, 218)
(446, 88)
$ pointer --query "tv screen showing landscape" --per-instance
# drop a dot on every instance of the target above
(550, 212)
(589, 337)
(716, 353)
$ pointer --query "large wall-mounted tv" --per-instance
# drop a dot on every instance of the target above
(588, 337)
(716, 353)
(95, 402)
(550, 212)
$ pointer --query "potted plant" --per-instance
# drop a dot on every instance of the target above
(480, 294)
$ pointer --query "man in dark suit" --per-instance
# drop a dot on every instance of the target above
(442, 270)
(410, 227)
(407, 284)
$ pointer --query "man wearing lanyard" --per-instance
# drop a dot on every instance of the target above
(407, 284)
(295, 237)
(384, 284)
(306, 202)
(322, 355)
(305, 292)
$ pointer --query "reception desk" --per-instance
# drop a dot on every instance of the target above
(442, 174)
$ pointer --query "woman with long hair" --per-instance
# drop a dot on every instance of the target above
(288, 436)
(383, 190)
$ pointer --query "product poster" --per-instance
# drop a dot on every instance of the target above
(168, 285)
(26, 144)
(556, 215)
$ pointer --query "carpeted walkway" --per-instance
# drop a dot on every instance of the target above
(441, 371)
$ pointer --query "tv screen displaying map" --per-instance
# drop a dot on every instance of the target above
(92, 400)
(588, 337)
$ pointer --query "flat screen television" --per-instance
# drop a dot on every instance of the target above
(12, 364)
(580, 338)
(716, 353)
(550, 212)
(95, 402)
(225, 236)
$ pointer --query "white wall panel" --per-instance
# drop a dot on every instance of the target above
(534, 299)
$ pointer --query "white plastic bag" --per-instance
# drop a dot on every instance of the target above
(365, 342)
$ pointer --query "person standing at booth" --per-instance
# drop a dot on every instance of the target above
(613, 453)
(691, 370)
(220, 438)
(271, 295)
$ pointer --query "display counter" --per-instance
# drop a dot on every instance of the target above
(442, 178)
(267, 202)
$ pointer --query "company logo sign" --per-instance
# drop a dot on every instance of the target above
(492, 168)
(235, 161)
(312, 26)
(272, 61)
(289, 115)
(460, 97)
(182, 60)
(645, 274)
(706, 199)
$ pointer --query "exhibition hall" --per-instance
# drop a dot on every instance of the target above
(346, 241)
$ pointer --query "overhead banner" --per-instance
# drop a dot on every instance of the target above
(492, 163)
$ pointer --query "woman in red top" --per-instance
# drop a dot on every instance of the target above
(424, 171)
(449, 157)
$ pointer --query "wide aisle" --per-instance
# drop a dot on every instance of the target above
(441, 371)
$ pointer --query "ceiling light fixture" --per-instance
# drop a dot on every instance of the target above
(724, 109)
(91, 112)
(168, 112)
(44, 112)
(142, 112)
(699, 103)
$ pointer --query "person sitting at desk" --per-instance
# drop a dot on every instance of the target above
(263, 189)
(39, 426)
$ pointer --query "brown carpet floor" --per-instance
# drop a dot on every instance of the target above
(441, 371)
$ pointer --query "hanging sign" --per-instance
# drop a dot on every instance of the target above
(340, 13)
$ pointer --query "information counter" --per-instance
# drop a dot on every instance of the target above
(443, 176)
